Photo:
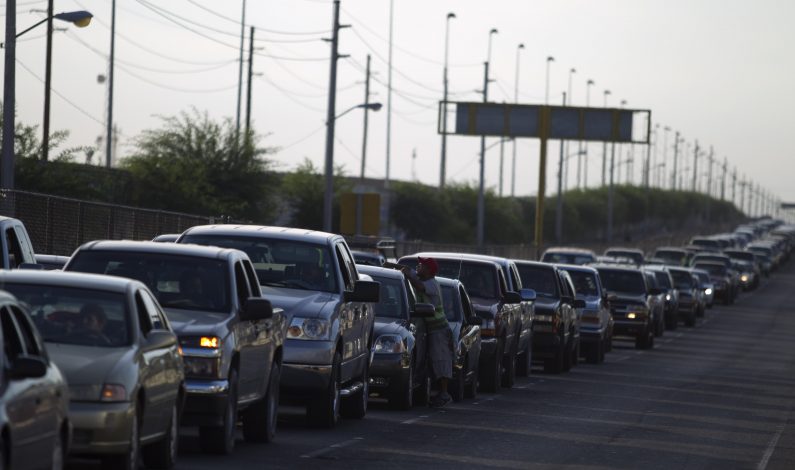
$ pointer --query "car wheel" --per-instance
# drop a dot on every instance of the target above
(457, 385)
(221, 439)
(259, 420)
(402, 397)
(57, 451)
(493, 371)
(324, 411)
(525, 361)
(131, 459)
(471, 388)
(609, 346)
(509, 370)
(163, 454)
(355, 406)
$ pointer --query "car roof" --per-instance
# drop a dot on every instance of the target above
(284, 233)
(614, 267)
(568, 249)
(472, 256)
(199, 251)
(68, 279)
(379, 271)
(452, 257)
(577, 267)
(625, 249)
(538, 264)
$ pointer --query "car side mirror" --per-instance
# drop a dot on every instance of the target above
(579, 303)
(423, 310)
(256, 308)
(512, 297)
(655, 291)
(364, 291)
(528, 294)
(160, 339)
(27, 367)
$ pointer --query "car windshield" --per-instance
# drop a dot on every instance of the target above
(539, 278)
(70, 315)
(703, 278)
(281, 263)
(584, 283)
(452, 304)
(180, 282)
(480, 279)
(716, 259)
(712, 269)
(568, 258)
(671, 256)
(663, 279)
(392, 303)
(683, 280)
(743, 255)
(630, 282)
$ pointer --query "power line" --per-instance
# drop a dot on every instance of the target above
(173, 88)
(162, 13)
(267, 30)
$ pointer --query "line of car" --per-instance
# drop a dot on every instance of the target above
(135, 341)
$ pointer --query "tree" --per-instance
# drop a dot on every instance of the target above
(304, 189)
(197, 165)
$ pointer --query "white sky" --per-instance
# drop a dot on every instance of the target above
(719, 71)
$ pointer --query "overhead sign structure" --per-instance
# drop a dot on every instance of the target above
(544, 122)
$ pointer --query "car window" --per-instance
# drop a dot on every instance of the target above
(466, 304)
(15, 257)
(480, 279)
(144, 321)
(663, 280)
(241, 284)
(12, 342)
(156, 317)
(584, 283)
(539, 278)
(347, 276)
(682, 279)
(27, 335)
(24, 244)
(392, 303)
(253, 282)
(630, 282)
(452, 307)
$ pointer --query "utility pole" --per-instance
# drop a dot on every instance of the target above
(723, 180)
(367, 110)
(389, 99)
(330, 118)
(45, 127)
(502, 159)
(742, 195)
(559, 209)
(240, 74)
(481, 197)
(109, 138)
(7, 163)
(247, 137)
(709, 172)
(734, 186)
(515, 101)
(443, 166)
(676, 158)
(610, 194)
(695, 168)
(604, 148)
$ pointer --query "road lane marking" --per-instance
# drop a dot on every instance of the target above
(771, 446)
(332, 447)
(414, 420)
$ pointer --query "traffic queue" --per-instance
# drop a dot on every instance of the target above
(114, 352)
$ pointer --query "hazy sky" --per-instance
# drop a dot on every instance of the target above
(716, 70)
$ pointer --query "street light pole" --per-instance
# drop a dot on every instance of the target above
(366, 112)
(583, 147)
(604, 148)
(330, 119)
(695, 168)
(661, 183)
(676, 158)
(481, 215)
(443, 168)
(240, 74)
(559, 209)
(516, 101)
(45, 126)
(109, 130)
(569, 99)
(550, 59)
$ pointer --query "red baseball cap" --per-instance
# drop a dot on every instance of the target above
(430, 264)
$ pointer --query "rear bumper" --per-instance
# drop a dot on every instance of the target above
(101, 428)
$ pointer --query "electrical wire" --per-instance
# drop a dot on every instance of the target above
(167, 16)
(291, 97)
(267, 30)
(173, 88)
(302, 139)
(60, 95)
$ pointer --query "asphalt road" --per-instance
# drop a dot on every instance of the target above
(719, 395)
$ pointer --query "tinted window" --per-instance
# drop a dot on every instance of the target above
(623, 281)
(568, 258)
(539, 278)
(682, 280)
(712, 269)
(71, 315)
(281, 263)
(12, 343)
(393, 302)
(584, 283)
(180, 282)
(480, 279)
(27, 335)
(663, 279)
(452, 307)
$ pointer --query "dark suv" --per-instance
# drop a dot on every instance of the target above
(556, 333)
(628, 295)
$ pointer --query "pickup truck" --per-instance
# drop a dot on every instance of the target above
(629, 296)
(329, 310)
(499, 307)
(231, 337)
(16, 245)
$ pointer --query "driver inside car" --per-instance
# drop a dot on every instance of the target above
(94, 321)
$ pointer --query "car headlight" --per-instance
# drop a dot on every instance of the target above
(312, 329)
(387, 344)
(744, 278)
(84, 392)
(708, 291)
(204, 367)
(113, 393)
(668, 297)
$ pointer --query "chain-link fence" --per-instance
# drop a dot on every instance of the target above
(58, 225)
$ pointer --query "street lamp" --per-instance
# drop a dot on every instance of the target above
(80, 19)
(515, 100)
(550, 59)
(583, 147)
(481, 207)
(604, 148)
(572, 71)
(443, 168)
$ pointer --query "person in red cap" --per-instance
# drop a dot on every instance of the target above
(439, 335)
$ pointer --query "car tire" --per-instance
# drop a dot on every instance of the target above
(324, 411)
(58, 454)
(508, 378)
(221, 439)
(458, 384)
(601, 352)
(471, 388)
(131, 459)
(163, 454)
(525, 361)
(493, 372)
(259, 419)
(609, 345)
(402, 396)
(355, 407)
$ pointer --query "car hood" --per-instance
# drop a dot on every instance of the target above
(386, 326)
(197, 323)
(308, 304)
(87, 365)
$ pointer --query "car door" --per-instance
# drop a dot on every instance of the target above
(526, 310)
(259, 354)
(245, 334)
(31, 424)
(163, 390)
(365, 315)
(470, 334)
(150, 369)
(349, 312)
